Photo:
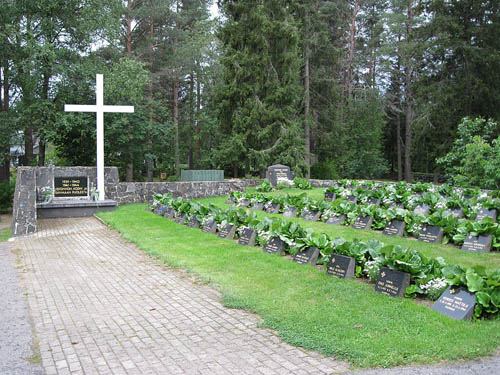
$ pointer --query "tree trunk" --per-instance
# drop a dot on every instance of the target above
(149, 161)
(409, 99)
(129, 177)
(307, 104)
(4, 106)
(398, 145)
(198, 123)
(176, 127)
(28, 147)
(191, 120)
(352, 46)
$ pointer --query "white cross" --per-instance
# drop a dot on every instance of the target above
(99, 108)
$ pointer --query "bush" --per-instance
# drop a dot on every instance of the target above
(7, 195)
(172, 178)
(324, 171)
(302, 183)
(264, 187)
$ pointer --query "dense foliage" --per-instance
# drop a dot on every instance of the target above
(334, 89)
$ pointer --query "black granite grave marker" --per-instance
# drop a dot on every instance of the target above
(257, 206)
(243, 203)
(290, 211)
(275, 246)
(456, 212)
(351, 198)
(395, 228)
(227, 231)
(329, 196)
(336, 220)
(374, 201)
(193, 222)
(456, 302)
(363, 222)
(392, 283)
(396, 204)
(308, 256)
(431, 234)
(71, 187)
(247, 237)
(279, 173)
(180, 218)
(310, 215)
(169, 213)
(341, 266)
(483, 212)
(229, 201)
(210, 226)
(477, 244)
(273, 208)
(422, 209)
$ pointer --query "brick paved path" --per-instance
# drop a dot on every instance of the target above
(101, 306)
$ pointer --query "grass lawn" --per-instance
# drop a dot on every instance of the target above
(5, 234)
(308, 308)
(451, 254)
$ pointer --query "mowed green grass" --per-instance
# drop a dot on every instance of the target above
(450, 253)
(337, 317)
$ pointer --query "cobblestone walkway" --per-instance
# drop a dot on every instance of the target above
(101, 306)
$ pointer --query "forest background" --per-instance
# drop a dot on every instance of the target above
(343, 88)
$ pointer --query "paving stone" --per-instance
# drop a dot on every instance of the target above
(102, 306)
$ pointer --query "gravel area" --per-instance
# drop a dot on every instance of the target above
(16, 335)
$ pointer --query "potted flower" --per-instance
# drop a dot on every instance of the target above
(48, 194)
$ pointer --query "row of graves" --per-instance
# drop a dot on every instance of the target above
(455, 302)
(363, 196)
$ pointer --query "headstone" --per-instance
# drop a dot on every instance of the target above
(456, 302)
(392, 283)
(456, 212)
(257, 206)
(180, 218)
(395, 228)
(247, 237)
(341, 266)
(243, 203)
(363, 222)
(483, 212)
(351, 198)
(290, 211)
(275, 246)
(373, 201)
(210, 226)
(168, 213)
(422, 209)
(308, 256)
(477, 244)
(330, 196)
(310, 215)
(69, 187)
(229, 201)
(279, 173)
(336, 220)
(273, 208)
(227, 231)
(396, 204)
(431, 234)
(193, 222)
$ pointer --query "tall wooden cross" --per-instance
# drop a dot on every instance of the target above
(99, 108)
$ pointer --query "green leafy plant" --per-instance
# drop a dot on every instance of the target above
(302, 183)
(265, 186)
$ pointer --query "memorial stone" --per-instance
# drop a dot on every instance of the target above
(477, 244)
(310, 215)
(456, 302)
(275, 246)
(210, 226)
(243, 203)
(395, 228)
(456, 212)
(329, 196)
(397, 204)
(193, 222)
(392, 283)
(272, 208)
(422, 209)
(257, 206)
(351, 198)
(247, 237)
(483, 212)
(336, 220)
(363, 222)
(227, 231)
(308, 256)
(168, 213)
(180, 218)
(341, 266)
(70, 187)
(373, 201)
(431, 234)
(290, 211)
(279, 173)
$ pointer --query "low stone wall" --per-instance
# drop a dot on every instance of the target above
(134, 192)
(322, 183)
(31, 180)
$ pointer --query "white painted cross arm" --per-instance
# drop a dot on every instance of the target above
(94, 108)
